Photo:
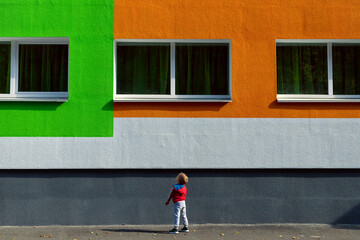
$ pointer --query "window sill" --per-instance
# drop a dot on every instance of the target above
(118, 99)
(324, 99)
(32, 99)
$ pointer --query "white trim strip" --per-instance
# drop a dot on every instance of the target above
(115, 63)
(317, 40)
(13, 67)
(330, 70)
(173, 40)
(285, 100)
(318, 96)
(42, 94)
(172, 100)
(25, 40)
(169, 96)
(172, 69)
(32, 99)
(230, 70)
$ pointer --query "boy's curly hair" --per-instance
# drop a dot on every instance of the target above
(182, 178)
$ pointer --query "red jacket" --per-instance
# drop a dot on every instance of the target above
(178, 193)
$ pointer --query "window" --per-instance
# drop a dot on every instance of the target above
(172, 70)
(34, 69)
(318, 70)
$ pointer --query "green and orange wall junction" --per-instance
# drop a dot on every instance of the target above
(92, 26)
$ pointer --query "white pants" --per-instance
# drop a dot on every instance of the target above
(180, 209)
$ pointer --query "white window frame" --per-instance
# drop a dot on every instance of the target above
(330, 97)
(14, 94)
(172, 97)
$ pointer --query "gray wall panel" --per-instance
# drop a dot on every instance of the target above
(214, 196)
(170, 143)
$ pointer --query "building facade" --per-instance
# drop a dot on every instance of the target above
(275, 140)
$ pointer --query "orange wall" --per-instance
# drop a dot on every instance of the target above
(253, 27)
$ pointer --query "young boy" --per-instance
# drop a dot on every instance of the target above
(178, 195)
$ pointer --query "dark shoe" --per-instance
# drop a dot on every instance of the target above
(174, 231)
(184, 229)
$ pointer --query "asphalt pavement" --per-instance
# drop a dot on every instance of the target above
(197, 232)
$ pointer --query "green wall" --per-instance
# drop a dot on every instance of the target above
(89, 25)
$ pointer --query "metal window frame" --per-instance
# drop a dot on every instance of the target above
(14, 94)
(172, 97)
(330, 97)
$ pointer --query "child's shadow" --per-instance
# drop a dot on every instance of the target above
(135, 231)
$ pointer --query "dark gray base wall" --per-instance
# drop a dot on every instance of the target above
(82, 197)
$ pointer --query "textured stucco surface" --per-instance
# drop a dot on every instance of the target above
(195, 143)
(253, 27)
(89, 27)
(214, 196)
